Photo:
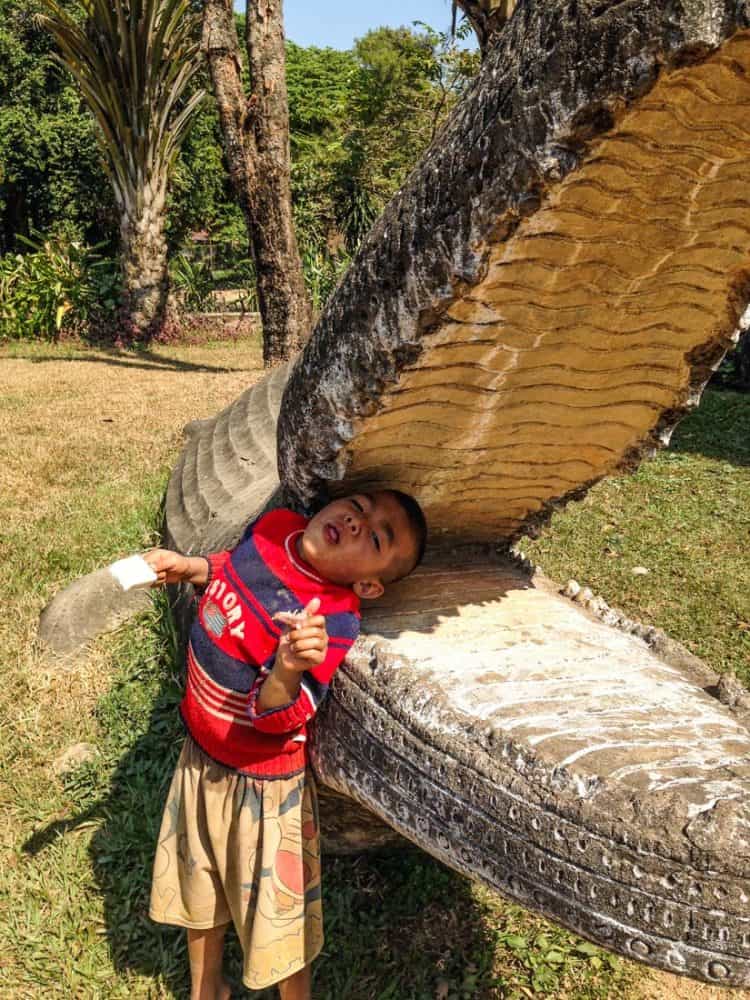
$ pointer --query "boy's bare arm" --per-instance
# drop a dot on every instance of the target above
(173, 567)
(303, 646)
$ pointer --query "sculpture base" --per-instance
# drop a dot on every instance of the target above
(528, 744)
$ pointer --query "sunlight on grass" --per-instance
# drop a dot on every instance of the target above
(684, 516)
(90, 439)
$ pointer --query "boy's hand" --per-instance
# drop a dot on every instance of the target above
(173, 567)
(170, 567)
(305, 643)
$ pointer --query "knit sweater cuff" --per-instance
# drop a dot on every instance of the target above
(215, 561)
(282, 719)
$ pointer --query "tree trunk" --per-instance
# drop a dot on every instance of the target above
(486, 17)
(145, 277)
(256, 141)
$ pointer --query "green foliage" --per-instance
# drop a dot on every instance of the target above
(406, 84)
(193, 281)
(201, 195)
(134, 63)
(358, 121)
(319, 84)
(549, 955)
(734, 370)
(322, 271)
(51, 179)
(57, 287)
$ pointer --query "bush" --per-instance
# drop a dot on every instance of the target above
(193, 282)
(60, 286)
(322, 271)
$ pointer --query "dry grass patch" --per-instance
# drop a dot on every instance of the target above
(663, 986)
(88, 441)
(89, 438)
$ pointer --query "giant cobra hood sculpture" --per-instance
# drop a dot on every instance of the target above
(535, 310)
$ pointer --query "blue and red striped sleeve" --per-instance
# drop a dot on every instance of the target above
(342, 629)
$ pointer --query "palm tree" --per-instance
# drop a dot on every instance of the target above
(134, 61)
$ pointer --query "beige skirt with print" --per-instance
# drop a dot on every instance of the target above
(239, 849)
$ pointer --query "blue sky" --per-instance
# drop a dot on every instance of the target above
(338, 22)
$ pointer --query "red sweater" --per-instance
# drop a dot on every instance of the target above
(233, 644)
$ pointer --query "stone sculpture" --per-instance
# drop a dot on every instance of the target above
(535, 310)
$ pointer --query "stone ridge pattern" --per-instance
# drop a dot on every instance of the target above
(490, 811)
(549, 291)
(87, 608)
(226, 474)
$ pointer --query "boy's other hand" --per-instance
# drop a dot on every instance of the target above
(305, 642)
(170, 567)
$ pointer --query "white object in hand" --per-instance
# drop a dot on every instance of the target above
(292, 619)
(133, 571)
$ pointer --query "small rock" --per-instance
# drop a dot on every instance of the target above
(732, 693)
(571, 588)
(73, 757)
(640, 571)
(584, 595)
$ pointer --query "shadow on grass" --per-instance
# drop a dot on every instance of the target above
(397, 924)
(719, 428)
(147, 360)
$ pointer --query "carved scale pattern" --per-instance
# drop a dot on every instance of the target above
(491, 825)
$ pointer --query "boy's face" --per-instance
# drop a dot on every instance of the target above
(361, 541)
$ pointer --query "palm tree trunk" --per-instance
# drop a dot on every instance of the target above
(145, 285)
(135, 64)
(256, 141)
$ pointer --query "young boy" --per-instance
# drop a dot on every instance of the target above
(239, 838)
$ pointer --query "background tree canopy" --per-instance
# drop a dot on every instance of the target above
(359, 120)
(51, 177)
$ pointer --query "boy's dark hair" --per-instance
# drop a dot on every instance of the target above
(418, 524)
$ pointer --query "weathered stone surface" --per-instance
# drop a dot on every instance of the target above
(88, 607)
(73, 757)
(549, 291)
(227, 471)
(526, 744)
(348, 828)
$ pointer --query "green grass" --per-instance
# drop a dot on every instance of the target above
(685, 516)
(76, 854)
(399, 926)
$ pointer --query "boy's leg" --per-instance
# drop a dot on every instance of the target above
(205, 953)
(296, 987)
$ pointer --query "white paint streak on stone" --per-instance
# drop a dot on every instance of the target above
(584, 698)
(604, 747)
